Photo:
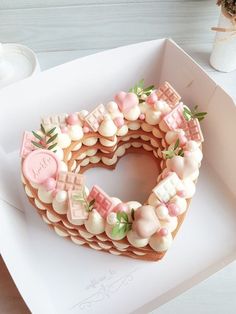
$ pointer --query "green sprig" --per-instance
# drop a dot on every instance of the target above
(188, 114)
(140, 90)
(122, 226)
(175, 151)
(81, 197)
(47, 139)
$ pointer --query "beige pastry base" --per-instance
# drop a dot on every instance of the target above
(79, 234)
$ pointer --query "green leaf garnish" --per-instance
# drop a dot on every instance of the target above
(175, 151)
(91, 203)
(52, 146)
(132, 213)
(123, 225)
(188, 114)
(51, 139)
(37, 144)
(37, 136)
(51, 131)
(42, 129)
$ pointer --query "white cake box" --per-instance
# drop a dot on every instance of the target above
(56, 276)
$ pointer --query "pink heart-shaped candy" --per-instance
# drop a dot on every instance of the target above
(126, 101)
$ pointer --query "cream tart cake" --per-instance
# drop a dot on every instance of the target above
(55, 157)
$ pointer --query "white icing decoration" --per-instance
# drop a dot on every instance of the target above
(94, 159)
(108, 143)
(90, 141)
(63, 140)
(107, 127)
(77, 147)
(39, 204)
(135, 240)
(91, 152)
(104, 246)
(59, 207)
(161, 244)
(108, 230)
(76, 132)
(52, 217)
(133, 126)
(132, 114)
(136, 144)
(85, 234)
(85, 162)
(152, 117)
(110, 161)
(44, 196)
(95, 223)
(157, 133)
(81, 156)
(146, 127)
(111, 219)
(63, 166)
(147, 147)
(59, 153)
(144, 137)
(180, 202)
(77, 241)
(60, 232)
(94, 246)
(114, 252)
(120, 151)
(162, 212)
(170, 223)
(139, 253)
(28, 192)
(61, 196)
(46, 220)
(123, 130)
(120, 246)
(189, 188)
(163, 126)
(133, 204)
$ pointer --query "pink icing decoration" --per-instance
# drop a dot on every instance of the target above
(151, 99)
(181, 193)
(142, 116)
(126, 101)
(40, 165)
(175, 119)
(103, 203)
(64, 129)
(183, 166)
(174, 210)
(72, 119)
(182, 139)
(49, 184)
(86, 129)
(145, 222)
(121, 207)
(27, 146)
(163, 232)
(119, 122)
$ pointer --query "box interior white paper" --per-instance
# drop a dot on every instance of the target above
(56, 276)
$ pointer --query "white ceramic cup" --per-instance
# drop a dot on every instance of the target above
(17, 62)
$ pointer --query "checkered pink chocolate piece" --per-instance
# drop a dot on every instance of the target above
(167, 93)
(95, 117)
(27, 146)
(58, 120)
(103, 203)
(175, 119)
(67, 181)
(77, 210)
(193, 131)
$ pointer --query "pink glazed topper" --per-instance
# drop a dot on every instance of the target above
(40, 165)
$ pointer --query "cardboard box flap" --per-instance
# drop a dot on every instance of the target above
(219, 130)
(187, 77)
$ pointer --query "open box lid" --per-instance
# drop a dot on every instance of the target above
(80, 84)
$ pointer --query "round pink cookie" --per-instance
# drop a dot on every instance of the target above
(40, 165)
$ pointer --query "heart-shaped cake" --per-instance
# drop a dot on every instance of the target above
(145, 119)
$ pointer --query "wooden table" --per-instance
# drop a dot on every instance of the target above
(62, 30)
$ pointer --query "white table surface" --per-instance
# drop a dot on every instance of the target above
(62, 30)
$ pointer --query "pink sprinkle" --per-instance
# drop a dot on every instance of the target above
(119, 122)
(151, 99)
(86, 129)
(142, 116)
(121, 207)
(163, 232)
(72, 119)
(187, 153)
(181, 193)
(174, 210)
(49, 184)
(54, 193)
(64, 129)
(182, 139)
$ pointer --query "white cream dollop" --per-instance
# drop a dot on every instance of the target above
(135, 240)
(76, 132)
(161, 243)
(132, 114)
(107, 127)
(95, 223)
(44, 195)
